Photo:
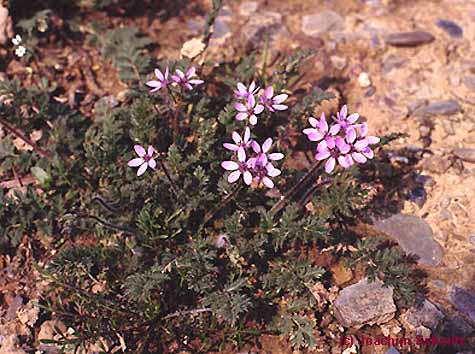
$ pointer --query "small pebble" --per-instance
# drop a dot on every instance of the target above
(370, 92)
(364, 80)
(443, 107)
(449, 26)
(409, 39)
(465, 154)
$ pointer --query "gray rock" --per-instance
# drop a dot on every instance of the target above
(391, 62)
(418, 195)
(444, 108)
(247, 8)
(392, 350)
(262, 24)
(457, 326)
(427, 315)
(365, 303)
(416, 106)
(437, 164)
(414, 235)
(322, 22)
(465, 154)
(469, 82)
(464, 301)
(409, 39)
(449, 26)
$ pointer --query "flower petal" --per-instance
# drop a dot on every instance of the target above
(191, 72)
(280, 107)
(240, 107)
(269, 92)
(150, 150)
(229, 165)
(372, 140)
(135, 162)
(313, 122)
(142, 169)
(267, 144)
(153, 83)
(234, 176)
(258, 109)
(359, 157)
(247, 177)
(330, 165)
(241, 116)
(241, 154)
(139, 150)
(322, 155)
(352, 118)
(322, 124)
(241, 88)
(256, 147)
(334, 129)
(368, 153)
(268, 182)
(152, 163)
(315, 136)
(231, 147)
(351, 135)
(236, 137)
(253, 119)
(275, 156)
(179, 73)
(159, 75)
(343, 162)
(196, 82)
(280, 98)
(247, 135)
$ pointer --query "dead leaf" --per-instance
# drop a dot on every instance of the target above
(28, 315)
(21, 145)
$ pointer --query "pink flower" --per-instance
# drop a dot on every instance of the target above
(273, 103)
(184, 79)
(319, 131)
(241, 143)
(248, 111)
(342, 121)
(261, 166)
(238, 168)
(245, 92)
(144, 160)
(336, 150)
(161, 82)
(360, 151)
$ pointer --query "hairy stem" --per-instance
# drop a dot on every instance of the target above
(167, 174)
(291, 193)
(23, 137)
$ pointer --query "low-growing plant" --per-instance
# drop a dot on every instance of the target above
(185, 230)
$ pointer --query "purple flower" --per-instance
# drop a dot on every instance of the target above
(249, 110)
(360, 151)
(144, 160)
(342, 121)
(184, 79)
(238, 168)
(241, 143)
(319, 131)
(261, 165)
(273, 103)
(245, 92)
(336, 150)
(162, 80)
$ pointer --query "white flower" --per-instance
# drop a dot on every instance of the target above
(16, 40)
(20, 51)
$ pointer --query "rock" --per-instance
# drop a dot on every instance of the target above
(437, 164)
(418, 195)
(450, 27)
(6, 28)
(465, 154)
(338, 63)
(321, 23)
(416, 106)
(9, 345)
(247, 8)
(469, 83)
(364, 80)
(414, 235)
(426, 314)
(264, 23)
(391, 62)
(464, 301)
(370, 91)
(365, 303)
(392, 350)
(409, 39)
(341, 274)
(444, 108)
(423, 332)
(457, 326)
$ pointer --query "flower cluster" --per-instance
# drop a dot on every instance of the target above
(250, 107)
(253, 161)
(344, 142)
(257, 166)
(180, 78)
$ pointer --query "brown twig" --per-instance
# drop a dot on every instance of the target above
(290, 194)
(209, 216)
(165, 170)
(27, 140)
